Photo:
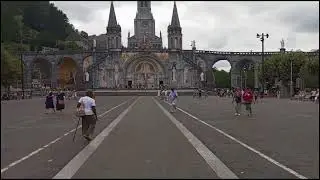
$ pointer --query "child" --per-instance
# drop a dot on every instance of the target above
(173, 100)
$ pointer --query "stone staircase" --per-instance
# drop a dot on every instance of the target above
(109, 92)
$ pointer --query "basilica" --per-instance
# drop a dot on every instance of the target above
(144, 62)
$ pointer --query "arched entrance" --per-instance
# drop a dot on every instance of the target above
(144, 72)
(145, 75)
(67, 73)
(221, 74)
(41, 73)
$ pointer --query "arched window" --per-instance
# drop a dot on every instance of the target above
(176, 45)
(172, 43)
(145, 4)
(117, 42)
(109, 43)
(141, 3)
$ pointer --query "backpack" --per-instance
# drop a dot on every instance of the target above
(247, 96)
(175, 94)
(238, 96)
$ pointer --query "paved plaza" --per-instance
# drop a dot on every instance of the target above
(137, 137)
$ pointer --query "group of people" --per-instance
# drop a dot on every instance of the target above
(59, 100)
(86, 104)
(246, 97)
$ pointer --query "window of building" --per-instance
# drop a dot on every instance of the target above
(117, 42)
(172, 43)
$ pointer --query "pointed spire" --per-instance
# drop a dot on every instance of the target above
(160, 35)
(112, 17)
(128, 34)
(175, 18)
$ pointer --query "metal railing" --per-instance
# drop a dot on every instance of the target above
(71, 52)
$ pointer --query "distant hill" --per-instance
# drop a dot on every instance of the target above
(35, 26)
(36, 23)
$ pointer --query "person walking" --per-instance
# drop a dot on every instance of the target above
(60, 105)
(237, 99)
(49, 103)
(173, 100)
(248, 98)
(256, 94)
(166, 92)
(89, 119)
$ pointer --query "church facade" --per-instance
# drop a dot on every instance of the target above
(144, 63)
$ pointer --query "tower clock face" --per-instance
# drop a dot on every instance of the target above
(145, 24)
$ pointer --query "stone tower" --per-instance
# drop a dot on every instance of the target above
(174, 31)
(144, 27)
(113, 31)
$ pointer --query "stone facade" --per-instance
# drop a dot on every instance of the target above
(144, 62)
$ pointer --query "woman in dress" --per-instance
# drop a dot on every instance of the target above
(60, 101)
(49, 103)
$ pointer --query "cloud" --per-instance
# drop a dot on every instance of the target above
(214, 25)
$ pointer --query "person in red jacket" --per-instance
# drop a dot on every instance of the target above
(248, 98)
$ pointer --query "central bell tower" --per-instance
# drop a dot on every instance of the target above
(144, 22)
(144, 29)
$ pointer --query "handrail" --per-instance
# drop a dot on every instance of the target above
(243, 53)
(71, 52)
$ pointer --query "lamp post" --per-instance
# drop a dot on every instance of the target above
(262, 36)
(21, 63)
(93, 61)
(291, 82)
(245, 77)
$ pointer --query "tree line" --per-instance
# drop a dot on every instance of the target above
(29, 26)
(278, 68)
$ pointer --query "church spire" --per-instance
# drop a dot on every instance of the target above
(175, 18)
(112, 17)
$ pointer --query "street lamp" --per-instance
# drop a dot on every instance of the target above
(261, 36)
(245, 77)
(93, 61)
(291, 82)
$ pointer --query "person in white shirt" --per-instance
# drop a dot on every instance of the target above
(166, 93)
(90, 118)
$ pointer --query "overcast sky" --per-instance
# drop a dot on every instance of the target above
(214, 25)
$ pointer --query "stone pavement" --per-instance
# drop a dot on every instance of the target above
(138, 139)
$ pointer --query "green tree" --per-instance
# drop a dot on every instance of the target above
(309, 72)
(279, 67)
(221, 78)
(10, 68)
(41, 23)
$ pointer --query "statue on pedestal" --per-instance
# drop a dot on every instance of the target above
(174, 72)
(193, 44)
(202, 77)
(185, 75)
(116, 75)
(282, 44)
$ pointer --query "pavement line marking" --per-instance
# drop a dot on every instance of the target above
(54, 141)
(74, 165)
(289, 170)
(212, 160)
